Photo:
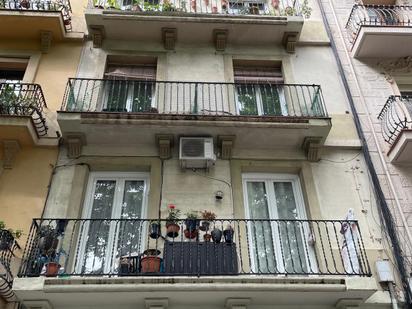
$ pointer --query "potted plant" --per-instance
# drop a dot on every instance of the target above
(99, 4)
(172, 228)
(25, 4)
(214, 10)
(207, 217)
(155, 232)
(216, 235)
(228, 234)
(254, 10)
(7, 236)
(192, 224)
(150, 262)
(168, 7)
(47, 238)
(51, 262)
(136, 6)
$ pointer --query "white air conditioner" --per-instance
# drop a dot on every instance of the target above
(196, 152)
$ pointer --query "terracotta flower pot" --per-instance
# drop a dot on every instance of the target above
(207, 237)
(52, 269)
(191, 234)
(172, 230)
(150, 264)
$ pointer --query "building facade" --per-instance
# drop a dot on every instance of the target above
(208, 157)
(40, 47)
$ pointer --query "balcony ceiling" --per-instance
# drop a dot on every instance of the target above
(401, 150)
(383, 42)
(193, 28)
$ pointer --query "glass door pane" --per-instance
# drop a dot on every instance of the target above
(94, 257)
(247, 100)
(271, 103)
(142, 96)
(291, 232)
(260, 232)
(117, 95)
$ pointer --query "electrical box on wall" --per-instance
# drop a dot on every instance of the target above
(196, 152)
(384, 270)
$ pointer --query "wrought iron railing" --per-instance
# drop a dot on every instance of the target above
(7, 247)
(21, 99)
(62, 6)
(395, 116)
(226, 7)
(377, 16)
(194, 98)
(137, 247)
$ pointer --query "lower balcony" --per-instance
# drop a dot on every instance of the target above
(133, 113)
(396, 124)
(380, 31)
(8, 245)
(21, 113)
(72, 261)
(26, 19)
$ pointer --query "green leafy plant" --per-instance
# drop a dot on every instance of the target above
(15, 233)
(173, 214)
(168, 7)
(192, 215)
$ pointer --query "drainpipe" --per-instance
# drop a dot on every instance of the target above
(383, 206)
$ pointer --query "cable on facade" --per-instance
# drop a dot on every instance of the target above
(386, 214)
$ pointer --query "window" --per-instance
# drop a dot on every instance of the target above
(130, 87)
(12, 69)
(247, 7)
(110, 198)
(279, 245)
(258, 91)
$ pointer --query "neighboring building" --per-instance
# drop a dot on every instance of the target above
(40, 47)
(234, 107)
(374, 43)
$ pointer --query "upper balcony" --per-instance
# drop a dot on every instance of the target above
(198, 21)
(31, 19)
(21, 113)
(70, 261)
(134, 113)
(396, 123)
(383, 31)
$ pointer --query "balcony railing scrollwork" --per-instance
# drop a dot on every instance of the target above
(141, 247)
(395, 116)
(22, 99)
(223, 7)
(194, 98)
(62, 6)
(7, 248)
(377, 16)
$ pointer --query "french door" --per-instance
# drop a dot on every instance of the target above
(261, 99)
(280, 244)
(106, 235)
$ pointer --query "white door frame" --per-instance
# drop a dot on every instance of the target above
(268, 179)
(120, 178)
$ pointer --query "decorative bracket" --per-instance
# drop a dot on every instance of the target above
(10, 149)
(74, 143)
(98, 35)
(289, 41)
(169, 37)
(237, 303)
(226, 143)
(165, 144)
(156, 303)
(220, 39)
(312, 147)
(45, 41)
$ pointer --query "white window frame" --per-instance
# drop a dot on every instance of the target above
(120, 178)
(269, 179)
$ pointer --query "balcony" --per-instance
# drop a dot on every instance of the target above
(380, 31)
(31, 17)
(66, 260)
(396, 124)
(7, 247)
(198, 21)
(21, 113)
(133, 113)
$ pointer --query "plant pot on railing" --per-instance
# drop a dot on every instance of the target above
(172, 228)
(48, 238)
(228, 234)
(150, 262)
(155, 231)
(207, 237)
(52, 269)
(25, 4)
(216, 235)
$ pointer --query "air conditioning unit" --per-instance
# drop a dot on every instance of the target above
(196, 152)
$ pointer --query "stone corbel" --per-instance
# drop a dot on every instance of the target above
(169, 38)
(156, 303)
(165, 144)
(289, 41)
(74, 143)
(98, 35)
(10, 149)
(220, 39)
(45, 41)
(226, 143)
(37, 304)
(237, 303)
(312, 148)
